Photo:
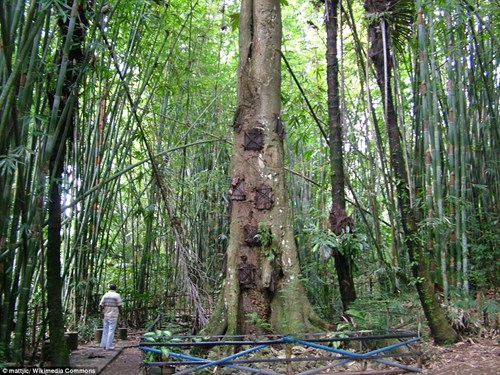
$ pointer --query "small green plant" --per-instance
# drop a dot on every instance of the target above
(267, 240)
(157, 336)
(347, 242)
(254, 318)
(491, 307)
(86, 330)
(466, 315)
(341, 332)
(357, 317)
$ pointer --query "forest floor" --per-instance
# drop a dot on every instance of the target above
(472, 356)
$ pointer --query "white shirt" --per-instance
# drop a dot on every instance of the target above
(110, 302)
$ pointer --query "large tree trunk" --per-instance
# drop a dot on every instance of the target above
(379, 54)
(262, 290)
(339, 221)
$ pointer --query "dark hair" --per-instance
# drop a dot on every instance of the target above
(112, 286)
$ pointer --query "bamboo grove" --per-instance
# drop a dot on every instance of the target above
(115, 147)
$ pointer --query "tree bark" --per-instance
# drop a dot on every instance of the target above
(339, 221)
(379, 53)
(262, 291)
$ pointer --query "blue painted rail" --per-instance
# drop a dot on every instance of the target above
(330, 351)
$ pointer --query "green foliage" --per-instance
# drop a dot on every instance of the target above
(9, 163)
(340, 332)
(324, 241)
(462, 317)
(235, 21)
(267, 240)
(491, 307)
(86, 330)
(485, 252)
(383, 314)
(255, 319)
(469, 316)
(347, 242)
(158, 336)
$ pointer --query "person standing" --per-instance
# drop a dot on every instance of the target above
(111, 305)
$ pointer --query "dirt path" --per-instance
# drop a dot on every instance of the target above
(127, 363)
(473, 356)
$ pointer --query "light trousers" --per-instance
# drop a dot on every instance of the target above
(108, 333)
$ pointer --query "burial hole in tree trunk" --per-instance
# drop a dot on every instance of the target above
(263, 197)
(246, 274)
(251, 235)
(254, 140)
(237, 189)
